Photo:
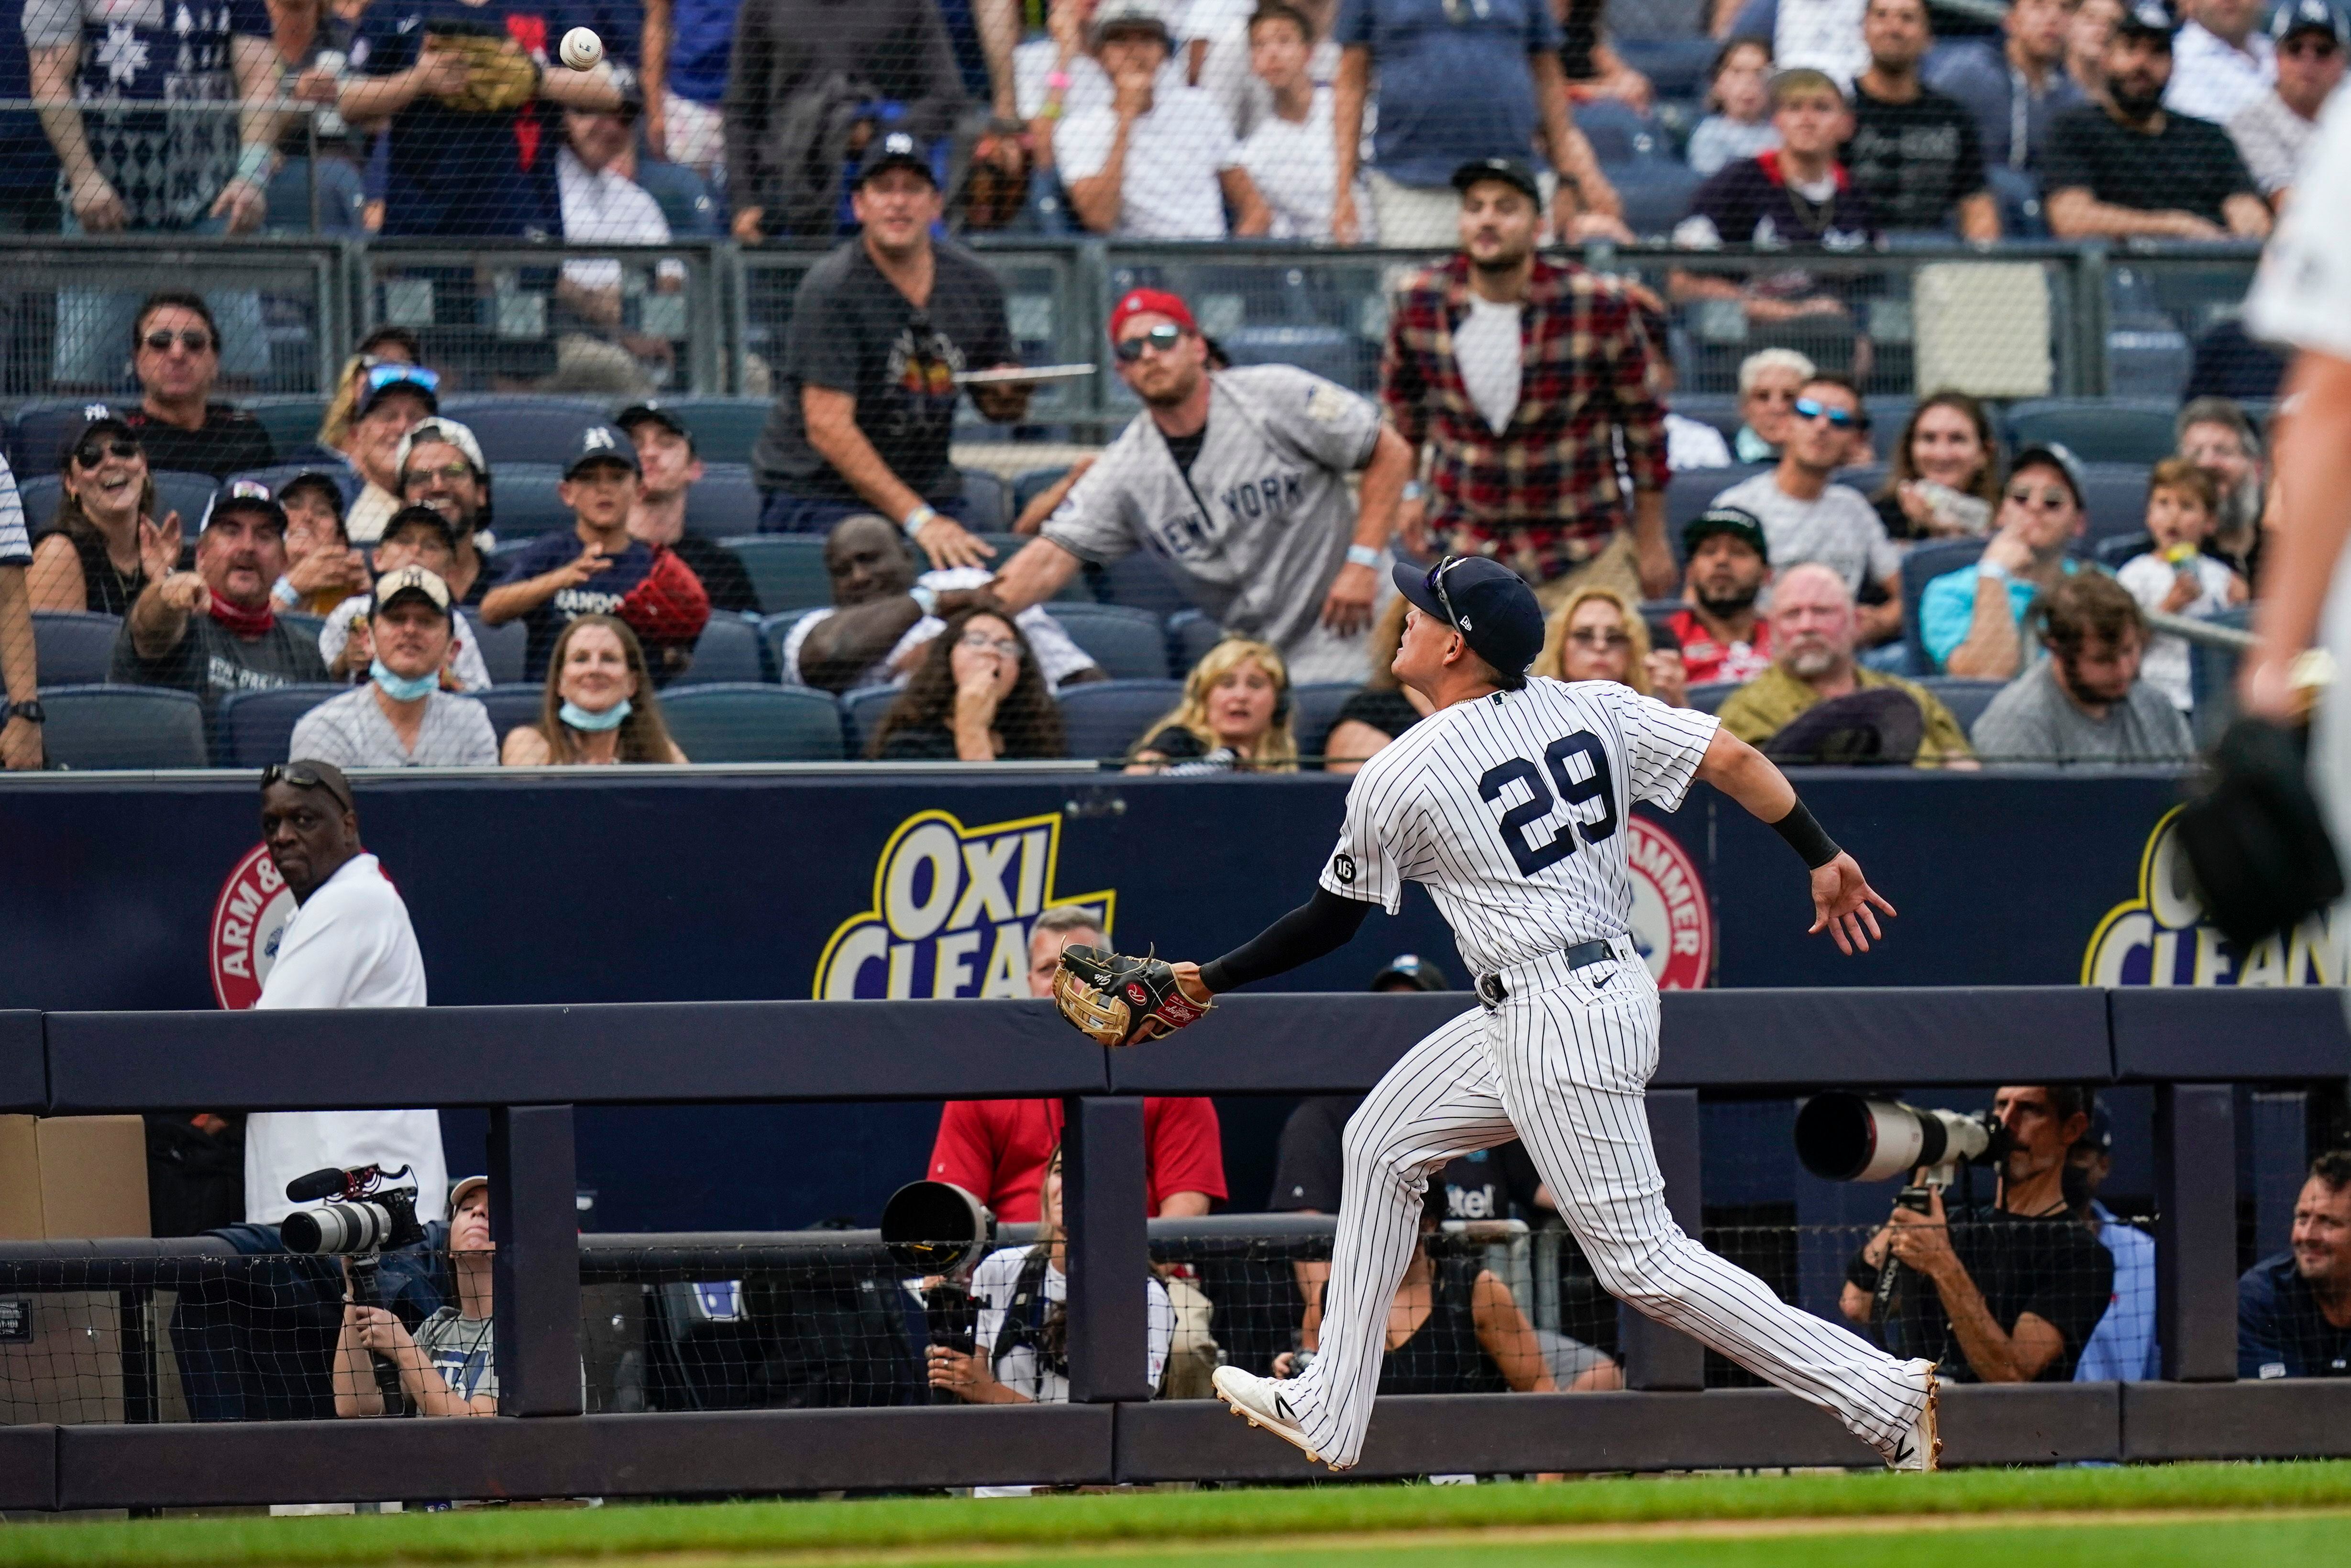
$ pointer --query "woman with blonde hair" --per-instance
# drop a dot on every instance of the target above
(600, 705)
(1235, 714)
(1598, 636)
(384, 346)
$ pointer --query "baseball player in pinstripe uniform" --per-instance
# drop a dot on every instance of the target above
(1508, 804)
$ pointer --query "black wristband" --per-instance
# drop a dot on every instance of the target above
(1213, 976)
(1804, 836)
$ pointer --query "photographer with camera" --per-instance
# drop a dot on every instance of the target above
(349, 945)
(2002, 1292)
(1024, 1322)
(448, 1368)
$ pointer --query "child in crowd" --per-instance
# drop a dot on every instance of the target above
(2176, 577)
(1737, 92)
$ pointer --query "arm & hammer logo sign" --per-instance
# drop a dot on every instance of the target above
(952, 911)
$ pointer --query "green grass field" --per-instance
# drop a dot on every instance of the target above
(2285, 1513)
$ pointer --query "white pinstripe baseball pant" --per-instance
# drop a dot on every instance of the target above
(1565, 1067)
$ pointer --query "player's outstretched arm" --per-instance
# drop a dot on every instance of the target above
(1843, 904)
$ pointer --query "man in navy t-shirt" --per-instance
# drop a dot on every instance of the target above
(2293, 1310)
(588, 570)
(458, 168)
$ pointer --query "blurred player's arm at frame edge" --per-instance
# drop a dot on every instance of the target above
(2313, 473)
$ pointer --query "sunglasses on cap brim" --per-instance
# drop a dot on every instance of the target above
(391, 375)
(1435, 583)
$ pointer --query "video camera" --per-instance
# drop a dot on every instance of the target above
(939, 1230)
(364, 1211)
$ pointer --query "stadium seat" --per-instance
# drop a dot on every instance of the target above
(1691, 491)
(1719, 410)
(1026, 487)
(516, 427)
(72, 648)
(1137, 579)
(39, 429)
(96, 726)
(190, 494)
(860, 714)
(511, 707)
(1128, 645)
(38, 494)
(725, 503)
(728, 652)
(2212, 677)
(2111, 553)
(684, 197)
(503, 647)
(1967, 699)
(2115, 495)
(2095, 430)
(1868, 478)
(1655, 192)
(1190, 636)
(988, 500)
(523, 502)
(787, 570)
(1103, 721)
(1315, 709)
(724, 428)
(774, 629)
(303, 624)
(292, 421)
(1921, 566)
(253, 729)
(1078, 589)
(1889, 413)
(1708, 699)
(753, 722)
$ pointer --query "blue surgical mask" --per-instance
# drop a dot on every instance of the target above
(579, 717)
(401, 688)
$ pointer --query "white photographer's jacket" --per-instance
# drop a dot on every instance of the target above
(350, 945)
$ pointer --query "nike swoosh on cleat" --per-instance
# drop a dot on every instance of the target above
(1901, 1454)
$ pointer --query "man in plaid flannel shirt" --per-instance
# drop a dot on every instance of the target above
(1525, 377)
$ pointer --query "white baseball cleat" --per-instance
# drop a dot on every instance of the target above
(1258, 1401)
(1921, 1447)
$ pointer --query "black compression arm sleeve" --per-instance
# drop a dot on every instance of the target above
(1323, 924)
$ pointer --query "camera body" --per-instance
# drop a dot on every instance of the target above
(364, 1211)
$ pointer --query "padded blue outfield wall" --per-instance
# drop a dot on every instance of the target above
(716, 887)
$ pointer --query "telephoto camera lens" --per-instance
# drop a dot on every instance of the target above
(336, 1227)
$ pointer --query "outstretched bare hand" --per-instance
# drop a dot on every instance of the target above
(1845, 904)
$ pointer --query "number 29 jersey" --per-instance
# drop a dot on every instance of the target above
(1510, 811)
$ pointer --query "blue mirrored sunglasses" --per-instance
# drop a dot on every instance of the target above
(1809, 408)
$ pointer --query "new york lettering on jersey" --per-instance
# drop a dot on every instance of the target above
(1510, 809)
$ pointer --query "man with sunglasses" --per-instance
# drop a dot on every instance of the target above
(214, 631)
(348, 945)
(1972, 620)
(1236, 480)
(1507, 803)
(176, 351)
(2273, 130)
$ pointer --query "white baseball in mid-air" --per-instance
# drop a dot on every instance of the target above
(581, 48)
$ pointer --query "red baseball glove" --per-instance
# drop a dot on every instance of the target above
(670, 606)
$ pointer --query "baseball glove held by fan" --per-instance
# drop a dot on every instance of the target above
(498, 76)
(670, 606)
(1120, 1000)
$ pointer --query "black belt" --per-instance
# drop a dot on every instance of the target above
(1582, 956)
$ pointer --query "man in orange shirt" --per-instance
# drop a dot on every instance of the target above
(998, 1148)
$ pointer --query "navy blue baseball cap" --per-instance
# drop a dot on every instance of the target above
(1486, 602)
(895, 149)
(602, 444)
(2309, 17)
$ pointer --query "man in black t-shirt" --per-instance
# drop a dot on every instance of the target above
(866, 400)
(2002, 1292)
(1916, 154)
(176, 347)
(214, 631)
(2129, 166)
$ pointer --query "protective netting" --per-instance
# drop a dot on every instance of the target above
(223, 223)
(807, 1320)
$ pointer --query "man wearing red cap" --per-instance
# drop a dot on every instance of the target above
(1236, 479)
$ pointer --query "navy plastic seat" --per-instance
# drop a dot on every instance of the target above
(776, 628)
(1190, 636)
(987, 501)
(523, 500)
(1137, 579)
(518, 427)
(511, 707)
(94, 726)
(729, 650)
(1966, 699)
(503, 647)
(2096, 430)
(253, 729)
(1101, 721)
(39, 494)
(1656, 191)
(1925, 563)
(1314, 708)
(1889, 413)
(749, 721)
(862, 710)
(725, 503)
(787, 570)
(186, 494)
(2112, 553)
(1128, 645)
(292, 421)
(1693, 490)
(1028, 486)
(724, 428)
(40, 428)
(1708, 699)
(303, 624)
(2115, 496)
(73, 648)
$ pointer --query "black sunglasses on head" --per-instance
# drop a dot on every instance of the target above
(1159, 341)
(90, 454)
(196, 342)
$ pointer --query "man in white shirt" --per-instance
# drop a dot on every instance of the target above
(2273, 130)
(1288, 152)
(2220, 60)
(348, 946)
(1229, 73)
(1160, 162)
